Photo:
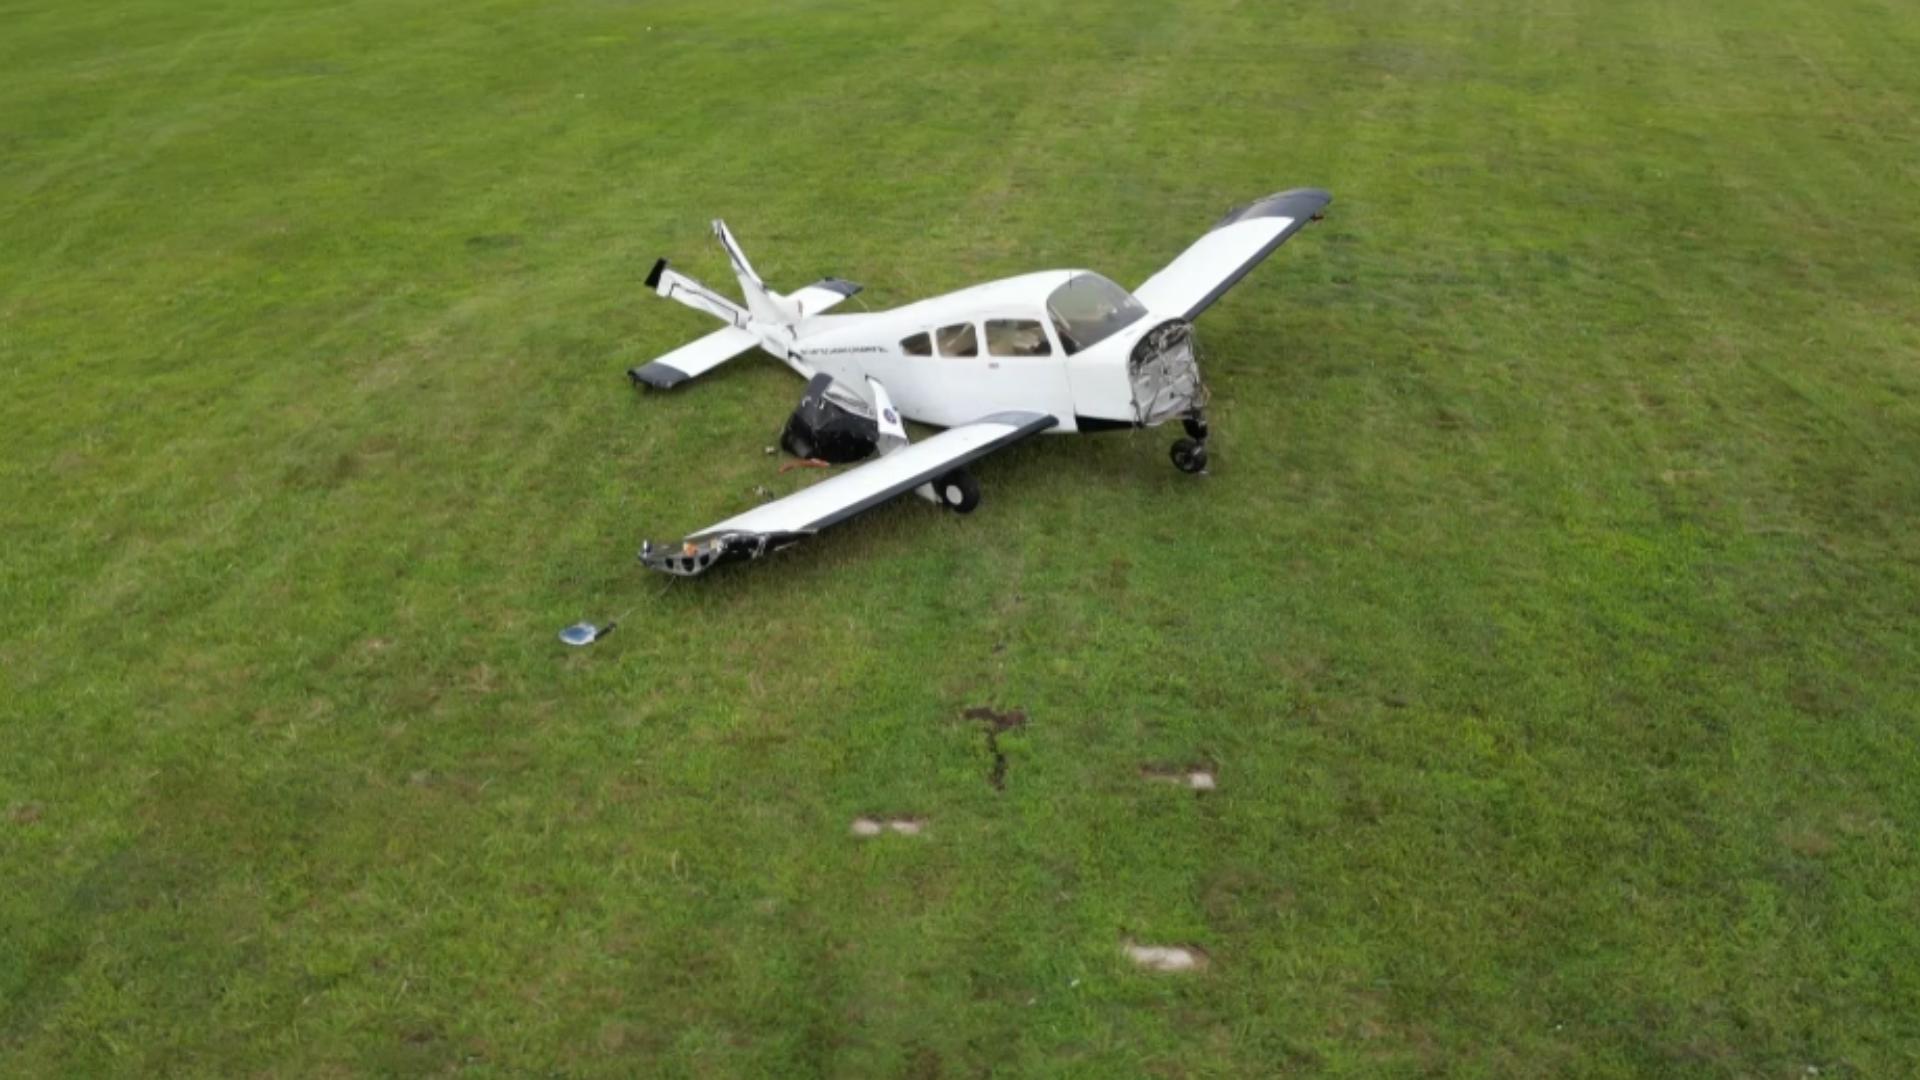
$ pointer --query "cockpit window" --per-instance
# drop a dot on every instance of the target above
(957, 340)
(917, 345)
(1089, 309)
(1017, 337)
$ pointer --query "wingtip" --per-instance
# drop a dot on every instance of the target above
(653, 275)
(702, 552)
(1300, 204)
(657, 375)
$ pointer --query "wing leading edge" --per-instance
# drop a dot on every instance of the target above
(837, 498)
(1217, 261)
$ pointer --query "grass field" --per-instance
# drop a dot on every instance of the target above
(1549, 616)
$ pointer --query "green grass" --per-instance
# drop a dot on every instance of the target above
(1550, 613)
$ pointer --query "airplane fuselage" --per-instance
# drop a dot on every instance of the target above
(953, 358)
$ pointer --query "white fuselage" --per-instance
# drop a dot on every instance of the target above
(955, 358)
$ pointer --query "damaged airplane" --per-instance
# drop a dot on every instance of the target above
(1057, 351)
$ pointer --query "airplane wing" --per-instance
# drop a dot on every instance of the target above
(837, 498)
(1217, 261)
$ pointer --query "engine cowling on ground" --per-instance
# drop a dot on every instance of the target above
(830, 424)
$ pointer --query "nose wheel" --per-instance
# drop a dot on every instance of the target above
(1190, 454)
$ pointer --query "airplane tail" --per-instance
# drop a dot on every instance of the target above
(765, 305)
(746, 326)
(677, 286)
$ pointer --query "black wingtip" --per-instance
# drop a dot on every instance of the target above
(1300, 204)
(653, 275)
(657, 375)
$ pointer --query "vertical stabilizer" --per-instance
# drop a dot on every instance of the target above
(761, 302)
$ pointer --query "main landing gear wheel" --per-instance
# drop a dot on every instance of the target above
(1189, 456)
(958, 491)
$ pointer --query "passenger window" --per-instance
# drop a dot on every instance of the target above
(1017, 337)
(958, 340)
(917, 345)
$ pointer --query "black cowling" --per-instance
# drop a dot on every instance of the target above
(829, 427)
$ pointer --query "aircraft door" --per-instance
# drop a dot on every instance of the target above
(1025, 367)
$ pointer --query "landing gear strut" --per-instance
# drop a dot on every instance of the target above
(1190, 454)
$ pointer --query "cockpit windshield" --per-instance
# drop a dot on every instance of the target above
(1089, 309)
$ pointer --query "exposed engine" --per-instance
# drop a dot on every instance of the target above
(1166, 374)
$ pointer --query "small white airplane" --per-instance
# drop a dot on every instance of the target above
(1060, 351)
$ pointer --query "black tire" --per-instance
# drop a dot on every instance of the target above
(958, 491)
(1189, 456)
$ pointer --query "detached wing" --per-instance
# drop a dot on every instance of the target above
(1217, 261)
(837, 498)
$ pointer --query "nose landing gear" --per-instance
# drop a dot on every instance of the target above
(1190, 454)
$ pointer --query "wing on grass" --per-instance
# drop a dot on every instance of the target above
(1217, 261)
(837, 498)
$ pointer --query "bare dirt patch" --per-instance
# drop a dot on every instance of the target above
(997, 721)
(867, 827)
(1200, 778)
(1167, 957)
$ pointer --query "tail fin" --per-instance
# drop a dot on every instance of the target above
(764, 304)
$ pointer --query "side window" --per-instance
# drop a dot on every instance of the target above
(958, 340)
(1017, 337)
(917, 345)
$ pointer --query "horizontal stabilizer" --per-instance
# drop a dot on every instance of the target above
(676, 286)
(821, 295)
(694, 358)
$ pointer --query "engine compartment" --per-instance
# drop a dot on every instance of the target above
(1165, 372)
